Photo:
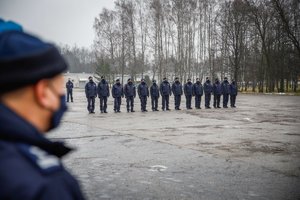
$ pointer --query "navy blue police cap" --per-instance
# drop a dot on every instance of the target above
(25, 59)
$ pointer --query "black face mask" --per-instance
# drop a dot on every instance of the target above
(58, 114)
(91, 80)
(118, 83)
(130, 83)
(198, 82)
(103, 80)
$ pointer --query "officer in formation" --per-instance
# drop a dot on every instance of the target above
(225, 92)
(177, 92)
(130, 94)
(143, 93)
(207, 91)
(32, 103)
(154, 92)
(233, 93)
(165, 91)
(117, 93)
(198, 92)
(103, 94)
(189, 93)
(69, 86)
(91, 94)
(217, 91)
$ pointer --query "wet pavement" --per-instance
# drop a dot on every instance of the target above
(249, 152)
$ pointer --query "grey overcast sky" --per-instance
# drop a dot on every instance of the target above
(60, 21)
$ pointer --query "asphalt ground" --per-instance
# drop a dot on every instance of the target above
(248, 152)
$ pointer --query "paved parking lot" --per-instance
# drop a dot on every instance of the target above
(250, 152)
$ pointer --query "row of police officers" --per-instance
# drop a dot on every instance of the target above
(165, 90)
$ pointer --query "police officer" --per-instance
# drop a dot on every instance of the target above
(177, 91)
(154, 92)
(207, 91)
(225, 92)
(103, 94)
(188, 92)
(117, 93)
(198, 92)
(130, 94)
(143, 92)
(32, 102)
(233, 93)
(91, 94)
(165, 91)
(69, 86)
(217, 93)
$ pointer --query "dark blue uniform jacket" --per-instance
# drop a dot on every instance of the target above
(225, 87)
(207, 87)
(198, 89)
(91, 89)
(117, 91)
(154, 90)
(103, 89)
(165, 88)
(69, 85)
(177, 88)
(188, 89)
(143, 90)
(30, 165)
(129, 90)
(217, 90)
(233, 89)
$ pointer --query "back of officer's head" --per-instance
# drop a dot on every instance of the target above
(30, 76)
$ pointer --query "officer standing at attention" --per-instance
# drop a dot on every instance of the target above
(118, 94)
(177, 91)
(188, 92)
(103, 94)
(154, 92)
(143, 93)
(198, 92)
(207, 91)
(91, 94)
(165, 91)
(69, 86)
(233, 93)
(130, 94)
(217, 93)
(32, 102)
(225, 92)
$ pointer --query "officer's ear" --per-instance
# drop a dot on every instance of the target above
(43, 94)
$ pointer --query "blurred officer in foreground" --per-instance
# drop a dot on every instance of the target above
(233, 93)
(91, 94)
(217, 93)
(69, 86)
(154, 92)
(32, 102)
(225, 92)
(198, 92)
(130, 94)
(188, 92)
(177, 91)
(103, 94)
(165, 91)
(117, 93)
(143, 92)
(207, 91)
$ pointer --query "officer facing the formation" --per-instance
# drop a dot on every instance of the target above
(154, 92)
(233, 93)
(117, 93)
(130, 94)
(217, 93)
(143, 92)
(103, 94)
(32, 102)
(207, 91)
(188, 92)
(198, 92)
(225, 92)
(91, 94)
(177, 91)
(165, 91)
(69, 86)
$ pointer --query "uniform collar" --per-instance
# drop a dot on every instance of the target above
(15, 129)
